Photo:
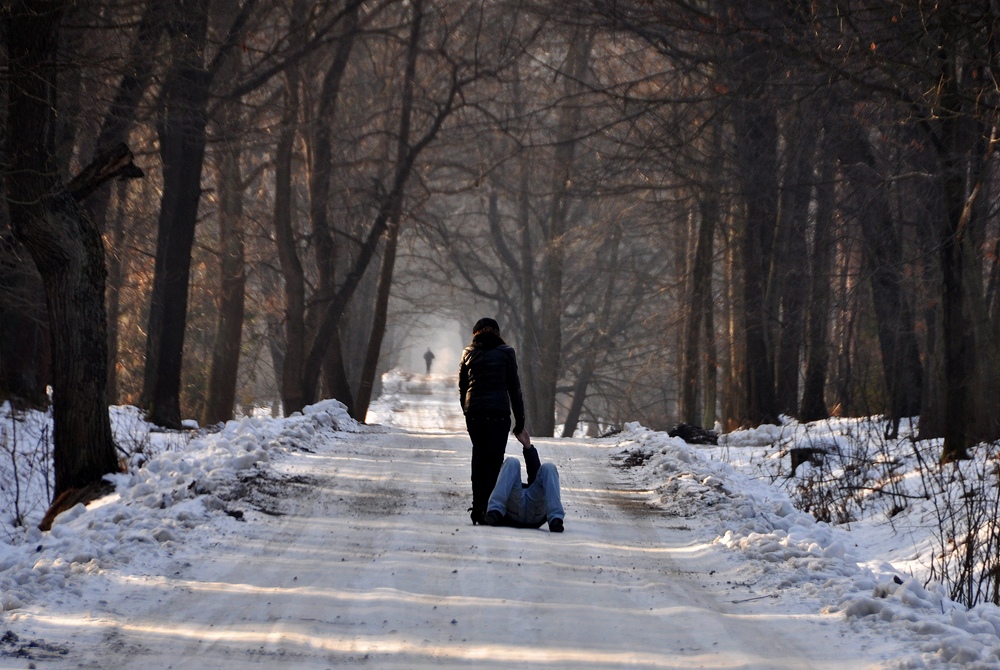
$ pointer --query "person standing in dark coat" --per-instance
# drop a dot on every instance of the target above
(428, 358)
(489, 390)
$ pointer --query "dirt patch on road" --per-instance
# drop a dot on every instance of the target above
(372, 501)
(14, 646)
(631, 458)
(272, 493)
(631, 501)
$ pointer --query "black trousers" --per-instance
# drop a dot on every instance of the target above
(488, 433)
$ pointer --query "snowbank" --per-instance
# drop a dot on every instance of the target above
(793, 555)
(160, 499)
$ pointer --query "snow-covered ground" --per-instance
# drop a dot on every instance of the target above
(314, 542)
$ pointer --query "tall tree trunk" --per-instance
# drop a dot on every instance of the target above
(124, 105)
(883, 250)
(369, 369)
(711, 363)
(336, 381)
(793, 271)
(701, 288)
(181, 124)
(756, 151)
(403, 149)
(118, 266)
(964, 146)
(293, 360)
(69, 87)
(707, 306)
(958, 340)
(550, 337)
(220, 399)
(320, 174)
(601, 332)
(735, 359)
(847, 315)
(530, 354)
(579, 396)
(970, 352)
(932, 415)
(927, 275)
(66, 247)
(751, 67)
(25, 357)
(818, 322)
(181, 132)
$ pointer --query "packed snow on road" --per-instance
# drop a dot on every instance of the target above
(316, 542)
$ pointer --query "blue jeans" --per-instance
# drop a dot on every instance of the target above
(531, 506)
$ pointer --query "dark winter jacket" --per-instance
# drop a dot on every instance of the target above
(488, 381)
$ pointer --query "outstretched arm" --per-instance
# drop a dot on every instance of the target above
(531, 462)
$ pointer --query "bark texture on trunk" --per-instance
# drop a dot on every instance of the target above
(701, 288)
(530, 351)
(369, 368)
(734, 361)
(403, 149)
(320, 176)
(751, 67)
(293, 356)
(181, 132)
(818, 321)
(25, 359)
(698, 327)
(601, 333)
(756, 151)
(220, 396)
(883, 249)
(964, 144)
(66, 247)
(556, 229)
(131, 88)
(118, 267)
(792, 275)
(220, 399)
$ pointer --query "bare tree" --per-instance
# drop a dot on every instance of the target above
(181, 128)
(65, 244)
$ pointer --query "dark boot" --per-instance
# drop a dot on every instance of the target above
(477, 515)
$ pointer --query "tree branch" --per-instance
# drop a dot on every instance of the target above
(115, 162)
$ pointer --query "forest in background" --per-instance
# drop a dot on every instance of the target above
(678, 210)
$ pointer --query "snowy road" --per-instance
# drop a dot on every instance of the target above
(368, 559)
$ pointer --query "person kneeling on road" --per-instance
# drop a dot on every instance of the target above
(526, 505)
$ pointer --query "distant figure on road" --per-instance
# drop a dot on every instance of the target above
(489, 388)
(428, 358)
(526, 505)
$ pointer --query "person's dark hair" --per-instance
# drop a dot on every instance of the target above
(486, 334)
(484, 324)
